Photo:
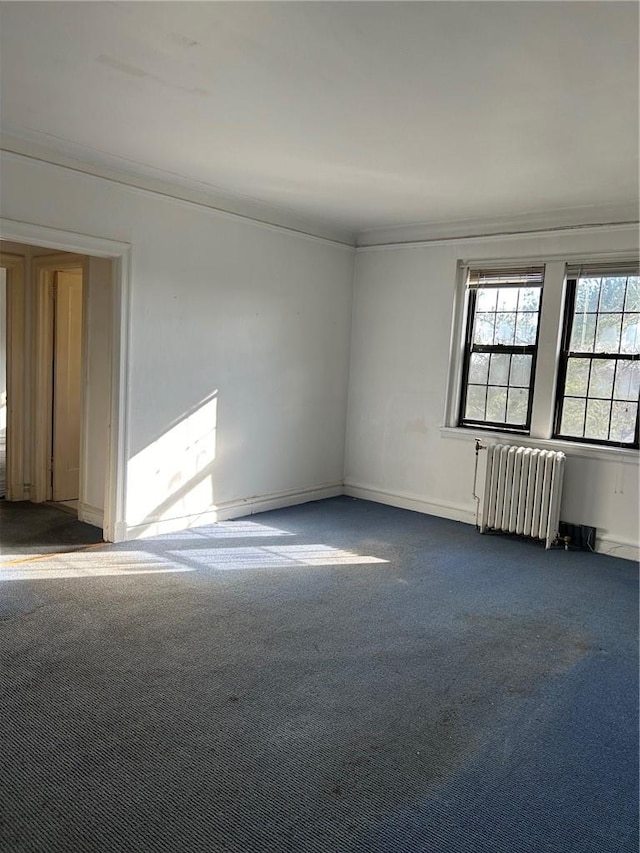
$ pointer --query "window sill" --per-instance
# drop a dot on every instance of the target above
(578, 449)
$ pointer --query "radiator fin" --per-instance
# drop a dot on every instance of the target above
(523, 489)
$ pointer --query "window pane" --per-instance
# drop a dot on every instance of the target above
(577, 380)
(608, 333)
(605, 323)
(526, 329)
(529, 299)
(572, 417)
(597, 423)
(486, 300)
(476, 397)
(520, 370)
(601, 384)
(508, 298)
(517, 406)
(498, 313)
(505, 329)
(632, 302)
(479, 368)
(499, 370)
(630, 333)
(623, 422)
(612, 294)
(583, 333)
(587, 293)
(627, 385)
(483, 328)
(496, 404)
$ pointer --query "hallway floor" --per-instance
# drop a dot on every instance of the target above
(33, 530)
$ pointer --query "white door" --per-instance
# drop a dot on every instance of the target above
(67, 385)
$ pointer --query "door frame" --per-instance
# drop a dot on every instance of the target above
(44, 271)
(114, 523)
(15, 265)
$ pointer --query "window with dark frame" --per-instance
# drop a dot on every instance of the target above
(598, 389)
(500, 348)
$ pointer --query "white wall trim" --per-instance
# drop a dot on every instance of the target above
(194, 195)
(67, 241)
(233, 509)
(148, 180)
(90, 514)
(118, 452)
(52, 238)
(404, 500)
(630, 226)
(571, 217)
(622, 548)
(606, 545)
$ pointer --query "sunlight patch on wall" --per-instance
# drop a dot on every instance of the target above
(173, 476)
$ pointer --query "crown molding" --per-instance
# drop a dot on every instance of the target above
(77, 158)
(595, 216)
(68, 155)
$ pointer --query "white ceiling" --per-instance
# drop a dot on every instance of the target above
(360, 114)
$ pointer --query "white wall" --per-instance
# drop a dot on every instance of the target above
(402, 321)
(239, 347)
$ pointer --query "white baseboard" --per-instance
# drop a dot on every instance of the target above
(455, 512)
(623, 548)
(232, 509)
(91, 515)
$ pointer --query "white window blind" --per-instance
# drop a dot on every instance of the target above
(518, 276)
(610, 270)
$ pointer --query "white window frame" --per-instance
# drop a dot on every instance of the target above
(548, 356)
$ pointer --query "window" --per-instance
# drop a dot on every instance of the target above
(500, 348)
(551, 351)
(599, 372)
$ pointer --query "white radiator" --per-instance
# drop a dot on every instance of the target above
(522, 491)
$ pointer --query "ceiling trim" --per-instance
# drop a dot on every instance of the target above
(632, 226)
(576, 217)
(268, 216)
(193, 193)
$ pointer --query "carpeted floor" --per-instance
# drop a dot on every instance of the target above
(337, 677)
(28, 530)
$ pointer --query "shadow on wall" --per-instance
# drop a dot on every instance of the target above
(173, 476)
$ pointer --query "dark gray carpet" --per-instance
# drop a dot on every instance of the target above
(473, 694)
(27, 528)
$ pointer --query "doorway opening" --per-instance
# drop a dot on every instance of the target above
(105, 346)
(65, 355)
(72, 299)
(59, 378)
(55, 351)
